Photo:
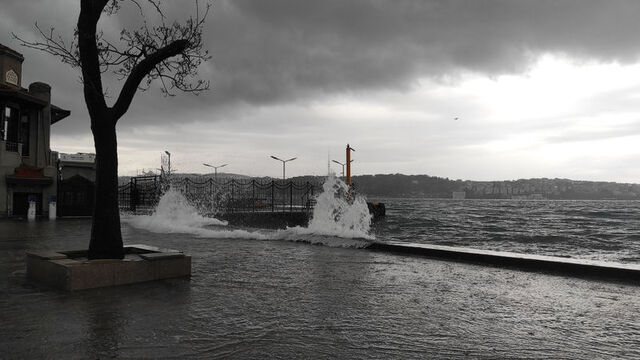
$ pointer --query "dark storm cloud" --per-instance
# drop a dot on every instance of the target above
(266, 51)
(283, 51)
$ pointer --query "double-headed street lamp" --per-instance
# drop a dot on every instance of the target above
(339, 163)
(283, 164)
(215, 169)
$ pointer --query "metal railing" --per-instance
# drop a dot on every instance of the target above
(213, 197)
(12, 146)
(141, 194)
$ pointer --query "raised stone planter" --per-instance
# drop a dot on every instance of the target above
(71, 270)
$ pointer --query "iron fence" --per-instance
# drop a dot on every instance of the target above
(141, 194)
(213, 197)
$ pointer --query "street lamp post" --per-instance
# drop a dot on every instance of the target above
(339, 163)
(168, 162)
(215, 169)
(283, 164)
(283, 176)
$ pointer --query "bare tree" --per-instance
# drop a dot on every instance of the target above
(167, 53)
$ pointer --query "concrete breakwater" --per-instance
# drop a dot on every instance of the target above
(552, 264)
(269, 220)
(281, 220)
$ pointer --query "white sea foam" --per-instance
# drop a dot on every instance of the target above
(174, 214)
(336, 214)
(300, 234)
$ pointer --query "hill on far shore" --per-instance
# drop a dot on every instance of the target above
(425, 186)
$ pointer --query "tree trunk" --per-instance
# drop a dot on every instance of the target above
(106, 237)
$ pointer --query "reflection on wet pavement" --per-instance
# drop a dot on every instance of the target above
(265, 299)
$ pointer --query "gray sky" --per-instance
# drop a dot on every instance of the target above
(540, 88)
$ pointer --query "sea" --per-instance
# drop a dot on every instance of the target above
(604, 230)
(315, 292)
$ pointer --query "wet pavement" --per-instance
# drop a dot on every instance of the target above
(282, 299)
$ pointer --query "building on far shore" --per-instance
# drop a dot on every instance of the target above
(28, 167)
(459, 195)
(76, 184)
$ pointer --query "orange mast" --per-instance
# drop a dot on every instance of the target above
(349, 149)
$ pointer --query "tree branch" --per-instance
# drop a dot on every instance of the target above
(168, 52)
(142, 69)
(54, 45)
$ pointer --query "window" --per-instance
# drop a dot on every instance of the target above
(24, 135)
(4, 123)
(11, 125)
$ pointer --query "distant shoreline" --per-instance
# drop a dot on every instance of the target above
(373, 196)
(433, 187)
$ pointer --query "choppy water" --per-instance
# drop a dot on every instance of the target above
(597, 230)
(257, 293)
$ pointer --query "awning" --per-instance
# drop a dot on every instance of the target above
(23, 97)
(40, 181)
(58, 114)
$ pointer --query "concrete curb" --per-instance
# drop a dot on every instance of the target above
(567, 266)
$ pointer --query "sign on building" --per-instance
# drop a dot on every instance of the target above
(79, 157)
(11, 77)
